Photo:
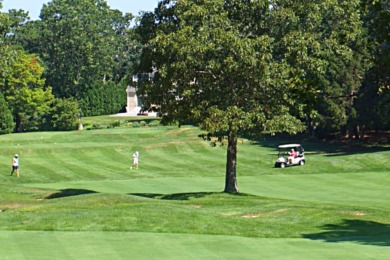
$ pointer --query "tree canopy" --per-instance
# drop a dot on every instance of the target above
(248, 67)
(24, 91)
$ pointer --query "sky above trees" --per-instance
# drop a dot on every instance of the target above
(125, 6)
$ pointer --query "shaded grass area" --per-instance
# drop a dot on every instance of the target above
(352, 230)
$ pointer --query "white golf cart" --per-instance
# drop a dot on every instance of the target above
(285, 158)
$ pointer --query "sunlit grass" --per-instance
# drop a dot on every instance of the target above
(81, 182)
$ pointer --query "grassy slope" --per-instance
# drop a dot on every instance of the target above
(80, 182)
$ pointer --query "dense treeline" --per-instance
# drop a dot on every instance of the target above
(77, 59)
(325, 64)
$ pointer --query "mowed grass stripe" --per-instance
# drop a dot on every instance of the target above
(122, 245)
(330, 188)
(78, 163)
(169, 157)
(95, 163)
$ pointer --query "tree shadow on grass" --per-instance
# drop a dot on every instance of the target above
(68, 193)
(180, 196)
(359, 231)
(177, 196)
(327, 148)
(359, 150)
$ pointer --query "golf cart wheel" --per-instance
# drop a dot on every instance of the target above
(302, 162)
(282, 165)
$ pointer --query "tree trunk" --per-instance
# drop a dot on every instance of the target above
(231, 162)
(18, 123)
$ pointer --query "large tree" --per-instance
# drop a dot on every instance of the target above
(324, 42)
(76, 43)
(21, 82)
(214, 71)
(23, 89)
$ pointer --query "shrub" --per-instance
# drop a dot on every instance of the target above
(154, 123)
(64, 115)
(136, 124)
(97, 126)
(116, 123)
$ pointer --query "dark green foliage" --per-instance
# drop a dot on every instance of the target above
(116, 123)
(64, 115)
(6, 120)
(373, 104)
(323, 41)
(103, 99)
(76, 44)
(97, 126)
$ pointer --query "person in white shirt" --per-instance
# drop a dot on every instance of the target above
(15, 165)
(135, 160)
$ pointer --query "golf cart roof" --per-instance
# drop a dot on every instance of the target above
(289, 146)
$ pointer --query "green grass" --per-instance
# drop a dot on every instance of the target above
(78, 199)
(104, 122)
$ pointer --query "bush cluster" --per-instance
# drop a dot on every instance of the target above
(123, 123)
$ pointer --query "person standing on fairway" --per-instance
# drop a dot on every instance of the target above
(135, 160)
(15, 165)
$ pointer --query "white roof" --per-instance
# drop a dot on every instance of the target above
(289, 145)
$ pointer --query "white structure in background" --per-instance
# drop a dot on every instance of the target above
(133, 107)
(132, 101)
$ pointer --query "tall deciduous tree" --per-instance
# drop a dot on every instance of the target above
(24, 91)
(76, 40)
(324, 42)
(214, 73)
